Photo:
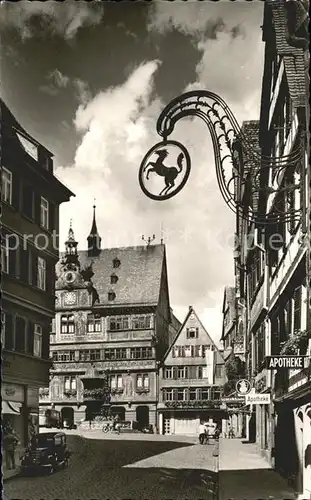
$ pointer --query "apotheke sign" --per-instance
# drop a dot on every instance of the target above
(257, 399)
(286, 362)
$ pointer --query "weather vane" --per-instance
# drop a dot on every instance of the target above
(149, 240)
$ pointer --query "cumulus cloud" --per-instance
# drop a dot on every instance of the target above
(64, 19)
(57, 82)
(117, 128)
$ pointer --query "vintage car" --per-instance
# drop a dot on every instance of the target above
(47, 452)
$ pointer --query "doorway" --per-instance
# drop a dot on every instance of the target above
(67, 414)
(120, 411)
(142, 416)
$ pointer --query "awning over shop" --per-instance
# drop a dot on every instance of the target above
(10, 408)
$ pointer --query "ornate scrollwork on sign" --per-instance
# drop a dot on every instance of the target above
(239, 166)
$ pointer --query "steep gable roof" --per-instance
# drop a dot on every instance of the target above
(293, 57)
(139, 274)
(229, 297)
(219, 356)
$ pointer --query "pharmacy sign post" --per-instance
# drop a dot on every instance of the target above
(257, 399)
(286, 362)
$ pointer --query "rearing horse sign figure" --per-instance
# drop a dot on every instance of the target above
(170, 173)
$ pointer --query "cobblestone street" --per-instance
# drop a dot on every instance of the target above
(143, 468)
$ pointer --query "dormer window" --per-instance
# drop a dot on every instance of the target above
(113, 279)
(111, 296)
(30, 147)
(116, 263)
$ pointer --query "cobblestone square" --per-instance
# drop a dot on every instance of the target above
(119, 469)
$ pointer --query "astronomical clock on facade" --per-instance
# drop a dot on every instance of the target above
(111, 329)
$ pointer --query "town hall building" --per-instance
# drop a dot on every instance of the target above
(113, 321)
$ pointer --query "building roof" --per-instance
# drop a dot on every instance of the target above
(14, 150)
(293, 57)
(250, 130)
(229, 297)
(139, 274)
(10, 122)
(219, 356)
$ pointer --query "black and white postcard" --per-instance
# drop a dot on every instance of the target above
(155, 250)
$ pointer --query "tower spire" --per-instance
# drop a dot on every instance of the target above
(71, 246)
(94, 240)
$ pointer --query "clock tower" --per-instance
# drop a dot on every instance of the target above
(71, 278)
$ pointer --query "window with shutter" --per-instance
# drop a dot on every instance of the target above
(20, 334)
(34, 268)
(44, 213)
(28, 201)
(13, 262)
(52, 216)
(16, 192)
(37, 340)
(6, 185)
(288, 319)
(9, 331)
(4, 256)
(291, 202)
(30, 337)
(2, 329)
(45, 344)
(41, 276)
(24, 265)
(275, 339)
(37, 204)
(297, 309)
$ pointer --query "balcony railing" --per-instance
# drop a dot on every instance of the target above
(70, 393)
(99, 394)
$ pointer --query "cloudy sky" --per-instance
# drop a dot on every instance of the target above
(88, 82)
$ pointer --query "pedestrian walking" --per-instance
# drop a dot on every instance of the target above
(202, 432)
(90, 424)
(10, 441)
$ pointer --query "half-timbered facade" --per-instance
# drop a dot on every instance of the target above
(191, 379)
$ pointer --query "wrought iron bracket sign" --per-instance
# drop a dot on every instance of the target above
(165, 169)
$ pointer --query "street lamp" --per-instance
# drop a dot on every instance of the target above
(232, 151)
